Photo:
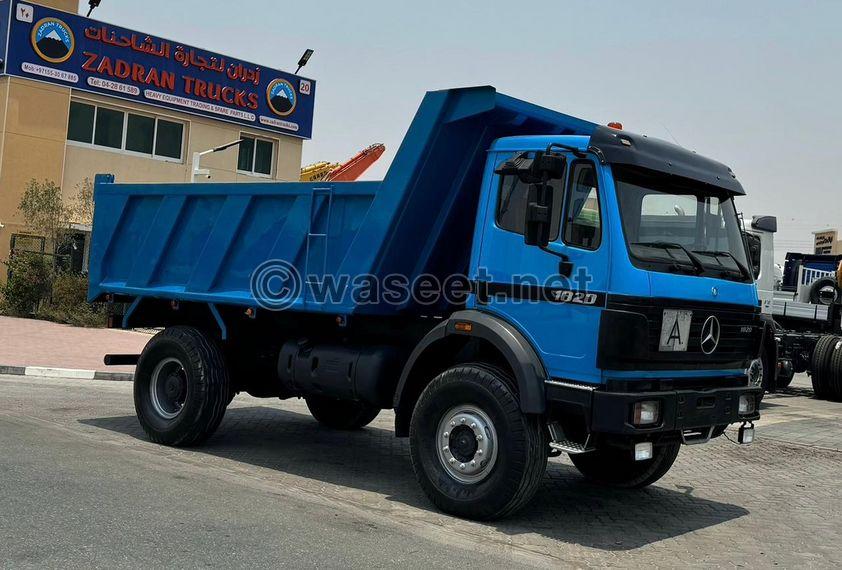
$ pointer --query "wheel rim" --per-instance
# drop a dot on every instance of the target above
(827, 295)
(168, 388)
(466, 442)
(755, 373)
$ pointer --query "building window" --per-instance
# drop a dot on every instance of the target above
(119, 130)
(108, 129)
(256, 156)
(169, 139)
(81, 127)
(140, 132)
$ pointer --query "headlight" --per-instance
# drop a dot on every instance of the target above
(646, 413)
(747, 405)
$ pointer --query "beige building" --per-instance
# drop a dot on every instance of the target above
(65, 135)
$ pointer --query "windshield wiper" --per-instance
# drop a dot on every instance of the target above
(667, 245)
(743, 269)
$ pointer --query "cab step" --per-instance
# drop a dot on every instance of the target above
(572, 447)
(560, 444)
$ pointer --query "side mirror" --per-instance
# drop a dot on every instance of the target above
(536, 171)
(753, 251)
(765, 223)
(539, 206)
(543, 167)
(551, 164)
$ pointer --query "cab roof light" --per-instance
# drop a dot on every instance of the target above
(615, 125)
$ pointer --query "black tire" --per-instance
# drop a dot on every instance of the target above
(785, 376)
(191, 369)
(617, 468)
(518, 456)
(834, 371)
(819, 366)
(769, 370)
(824, 291)
(341, 414)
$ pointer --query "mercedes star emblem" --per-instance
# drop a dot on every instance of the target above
(710, 335)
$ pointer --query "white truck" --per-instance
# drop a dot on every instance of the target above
(806, 314)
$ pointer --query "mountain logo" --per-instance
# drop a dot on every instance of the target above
(53, 40)
(281, 97)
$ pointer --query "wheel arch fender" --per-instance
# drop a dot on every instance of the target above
(446, 339)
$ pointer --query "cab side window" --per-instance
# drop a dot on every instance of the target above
(512, 200)
(583, 223)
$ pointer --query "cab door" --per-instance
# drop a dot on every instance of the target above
(553, 295)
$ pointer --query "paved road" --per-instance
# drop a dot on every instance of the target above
(80, 486)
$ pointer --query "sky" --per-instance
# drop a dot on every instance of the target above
(756, 84)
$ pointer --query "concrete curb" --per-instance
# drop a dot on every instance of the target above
(47, 372)
(114, 376)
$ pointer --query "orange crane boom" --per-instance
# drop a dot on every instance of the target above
(359, 163)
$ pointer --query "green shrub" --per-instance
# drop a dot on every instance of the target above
(84, 315)
(70, 290)
(29, 283)
(35, 289)
(69, 303)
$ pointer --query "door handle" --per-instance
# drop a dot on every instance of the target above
(565, 266)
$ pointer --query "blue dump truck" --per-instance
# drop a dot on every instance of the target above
(521, 284)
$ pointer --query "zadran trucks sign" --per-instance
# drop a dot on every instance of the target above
(67, 49)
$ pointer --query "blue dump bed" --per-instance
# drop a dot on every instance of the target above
(203, 242)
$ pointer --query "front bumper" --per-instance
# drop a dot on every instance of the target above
(609, 412)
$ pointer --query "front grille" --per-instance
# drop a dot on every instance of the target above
(741, 329)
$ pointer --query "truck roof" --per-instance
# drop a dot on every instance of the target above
(622, 147)
(540, 142)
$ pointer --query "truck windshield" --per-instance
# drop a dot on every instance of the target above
(673, 224)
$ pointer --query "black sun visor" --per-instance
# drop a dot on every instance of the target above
(621, 147)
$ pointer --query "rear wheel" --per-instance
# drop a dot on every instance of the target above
(181, 387)
(341, 414)
(475, 454)
(617, 467)
(834, 372)
(820, 366)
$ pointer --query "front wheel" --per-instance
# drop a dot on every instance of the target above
(763, 371)
(475, 454)
(617, 467)
(785, 374)
(181, 387)
(341, 414)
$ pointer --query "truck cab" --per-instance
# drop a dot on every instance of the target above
(803, 301)
(637, 298)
